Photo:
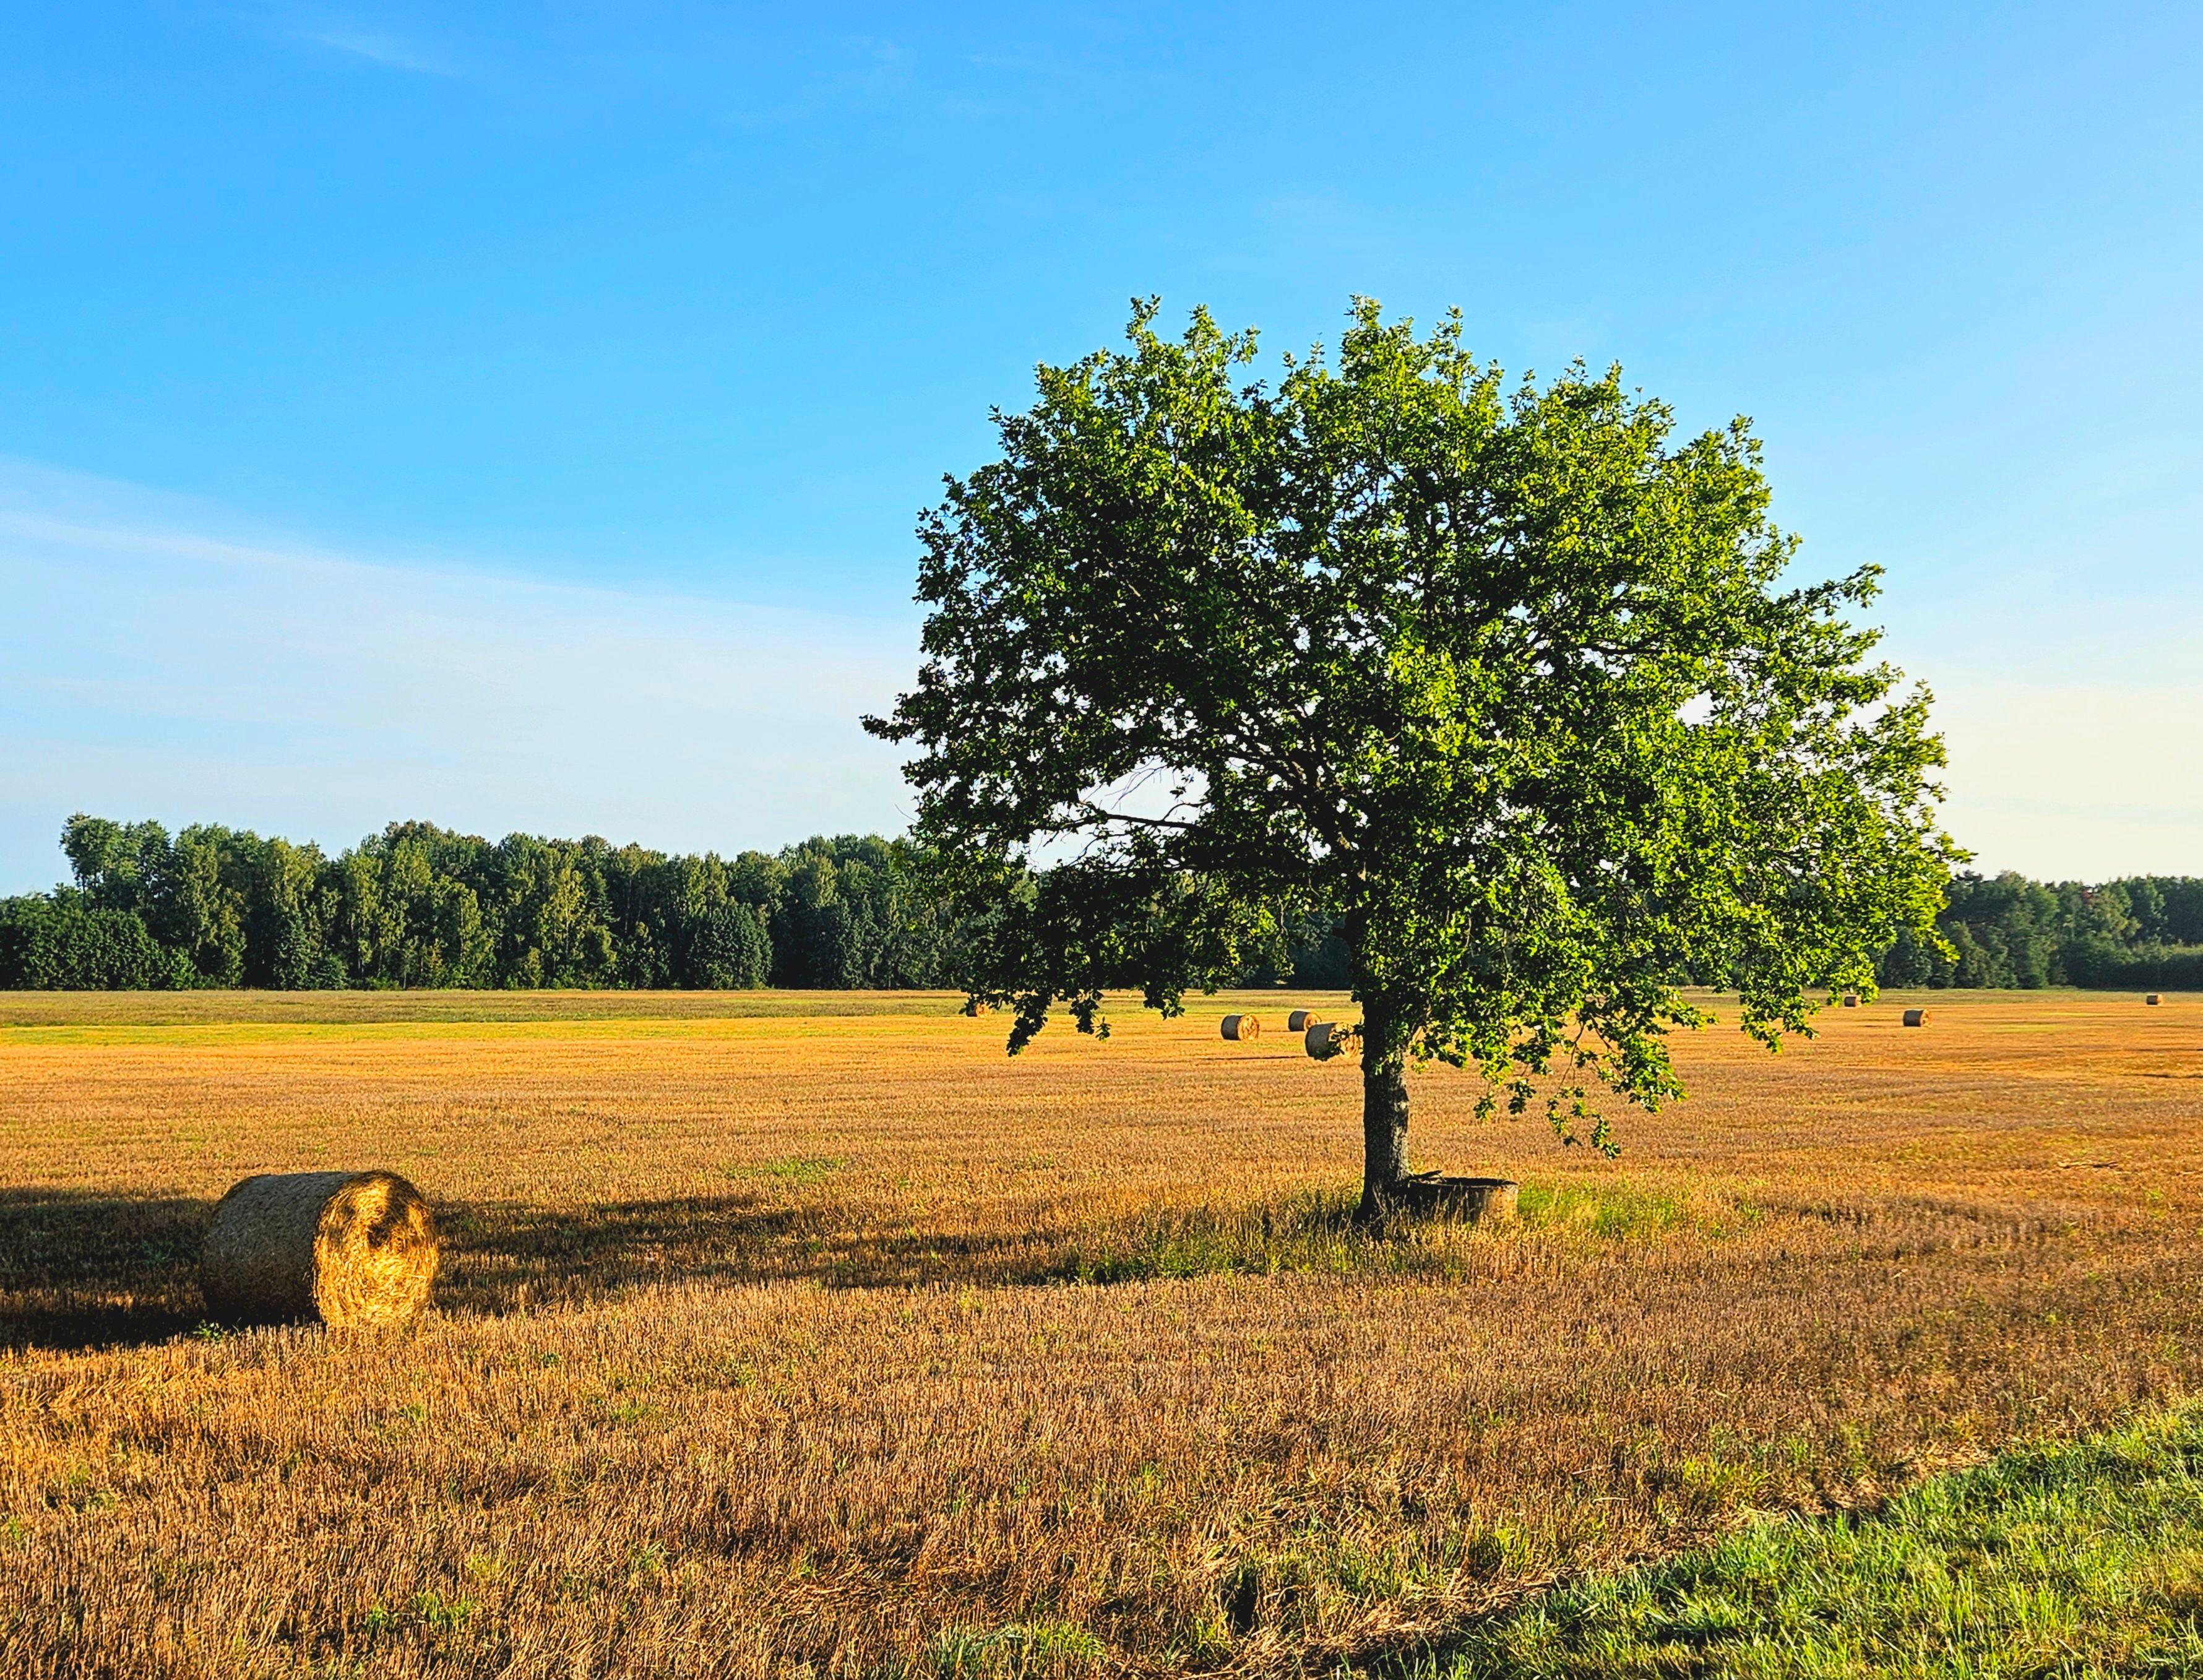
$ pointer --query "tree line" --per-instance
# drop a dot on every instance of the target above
(2005, 930)
(417, 905)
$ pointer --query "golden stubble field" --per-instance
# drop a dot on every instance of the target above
(784, 1330)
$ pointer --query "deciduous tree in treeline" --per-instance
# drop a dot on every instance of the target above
(420, 906)
(1507, 685)
(2005, 930)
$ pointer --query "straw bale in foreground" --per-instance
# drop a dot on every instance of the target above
(346, 1248)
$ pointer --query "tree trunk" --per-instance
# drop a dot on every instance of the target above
(1384, 1111)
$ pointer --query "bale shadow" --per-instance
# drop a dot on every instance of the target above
(90, 1268)
(80, 1271)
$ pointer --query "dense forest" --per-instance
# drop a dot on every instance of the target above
(2006, 930)
(420, 906)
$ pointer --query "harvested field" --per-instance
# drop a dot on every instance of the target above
(782, 1329)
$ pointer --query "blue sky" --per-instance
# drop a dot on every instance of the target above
(516, 416)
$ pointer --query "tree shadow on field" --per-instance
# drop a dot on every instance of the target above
(84, 1269)
(499, 1257)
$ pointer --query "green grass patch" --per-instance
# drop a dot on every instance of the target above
(26, 1017)
(794, 1168)
(1312, 1233)
(1601, 1209)
(1317, 1232)
(2075, 1560)
(1019, 1651)
(605, 1027)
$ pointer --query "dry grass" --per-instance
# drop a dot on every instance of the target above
(780, 1331)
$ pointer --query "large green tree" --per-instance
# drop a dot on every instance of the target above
(1507, 682)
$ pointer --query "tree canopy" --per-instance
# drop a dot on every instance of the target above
(1505, 682)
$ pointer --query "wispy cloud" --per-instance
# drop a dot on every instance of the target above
(167, 671)
(388, 50)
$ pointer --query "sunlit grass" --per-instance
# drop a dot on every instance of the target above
(2068, 1560)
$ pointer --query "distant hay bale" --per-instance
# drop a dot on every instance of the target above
(1470, 1200)
(1297, 1022)
(1916, 1017)
(1326, 1039)
(2153, 997)
(1242, 1028)
(346, 1248)
(1850, 1000)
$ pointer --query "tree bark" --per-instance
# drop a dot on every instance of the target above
(1384, 1111)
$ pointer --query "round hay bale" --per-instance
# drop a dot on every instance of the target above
(1850, 1000)
(342, 1247)
(1241, 1028)
(1297, 1022)
(1470, 1200)
(1324, 1039)
(2153, 997)
(1916, 1017)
